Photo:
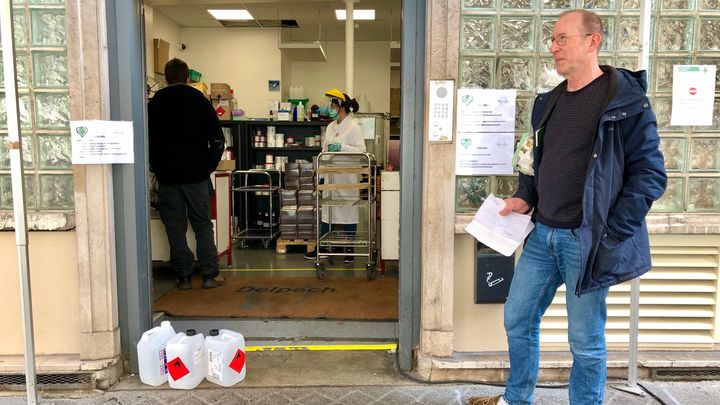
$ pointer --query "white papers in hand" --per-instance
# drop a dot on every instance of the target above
(502, 234)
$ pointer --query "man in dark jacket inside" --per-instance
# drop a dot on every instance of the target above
(595, 173)
(186, 144)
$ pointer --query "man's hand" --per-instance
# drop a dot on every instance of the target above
(514, 204)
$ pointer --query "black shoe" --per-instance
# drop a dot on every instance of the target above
(216, 281)
(184, 283)
(349, 259)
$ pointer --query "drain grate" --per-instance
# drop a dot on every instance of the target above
(686, 374)
(16, 382)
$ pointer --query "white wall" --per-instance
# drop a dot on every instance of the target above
(168, 31)
(244, 58)
(159, 26)
(372, 74)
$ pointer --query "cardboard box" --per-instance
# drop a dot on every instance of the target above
(222, 108)
(394, 102)
(226, 165)
(220, 91)
(161, 55)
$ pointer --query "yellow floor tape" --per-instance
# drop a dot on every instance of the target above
(290, 348)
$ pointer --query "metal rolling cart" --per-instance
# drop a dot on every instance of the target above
(327, 165)
(247, 183)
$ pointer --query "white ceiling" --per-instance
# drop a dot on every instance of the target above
(316, 18)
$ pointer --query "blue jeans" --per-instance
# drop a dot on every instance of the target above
(552, 257)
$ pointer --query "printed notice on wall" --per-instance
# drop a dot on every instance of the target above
(102, 142)
(485, 132)
(440, 121)
(484, 153)
(693, 95)
(482, 110)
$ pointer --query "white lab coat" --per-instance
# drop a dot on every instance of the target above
(349, 135)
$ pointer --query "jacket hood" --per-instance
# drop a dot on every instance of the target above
(631, 86)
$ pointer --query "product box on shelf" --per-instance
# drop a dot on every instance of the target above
(220, 90)
(222, 109)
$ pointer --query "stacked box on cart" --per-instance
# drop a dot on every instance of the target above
(306, 183)
(288, 197)
(306, 231)
(288, 231)
(305, 170)
(306, 198)
(306, 215)
(288, 222)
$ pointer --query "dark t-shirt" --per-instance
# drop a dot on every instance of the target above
(567, 143)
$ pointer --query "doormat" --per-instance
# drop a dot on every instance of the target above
(287, 297)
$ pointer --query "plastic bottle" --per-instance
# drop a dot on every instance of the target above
(186, 360)
(225, 357)
(300, 112)
(152, 358)
(233, 101)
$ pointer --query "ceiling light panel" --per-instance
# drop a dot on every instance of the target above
(357, 14)
(230, 14)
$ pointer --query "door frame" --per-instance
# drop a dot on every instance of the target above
(127, 100)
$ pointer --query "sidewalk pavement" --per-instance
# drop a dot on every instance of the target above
(347, 378)
(686, 393)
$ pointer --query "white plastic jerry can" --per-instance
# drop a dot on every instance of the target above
(185, 360)
(152, 358)
(225, 357)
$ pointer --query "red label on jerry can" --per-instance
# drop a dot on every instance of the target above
(220, 111)
(238, 361)
(177, 369)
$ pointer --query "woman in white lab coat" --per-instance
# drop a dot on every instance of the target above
(341, 135)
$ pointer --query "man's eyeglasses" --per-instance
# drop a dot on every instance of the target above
(562, 39)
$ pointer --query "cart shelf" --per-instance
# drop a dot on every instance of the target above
(342, 186)
(362, 166)
(329, 202)
(255, 188)
(342, 169)
(342, 238)
(259, 233)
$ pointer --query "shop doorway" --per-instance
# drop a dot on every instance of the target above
(254, 265)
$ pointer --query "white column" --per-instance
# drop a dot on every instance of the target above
(349, 47)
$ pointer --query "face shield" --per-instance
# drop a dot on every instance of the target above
(330, 107)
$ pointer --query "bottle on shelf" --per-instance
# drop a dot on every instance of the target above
(300, 112)
(266, 222)
(233, 101)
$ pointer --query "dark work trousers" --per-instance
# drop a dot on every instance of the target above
(178, 204)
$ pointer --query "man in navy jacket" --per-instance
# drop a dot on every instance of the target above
(596, 171)
(186, 144)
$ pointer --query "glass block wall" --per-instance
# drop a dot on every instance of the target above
(41, 55)
(504, 45)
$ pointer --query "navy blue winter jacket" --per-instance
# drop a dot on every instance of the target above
(625, 175)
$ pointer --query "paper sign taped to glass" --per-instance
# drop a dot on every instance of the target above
(503, 234)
